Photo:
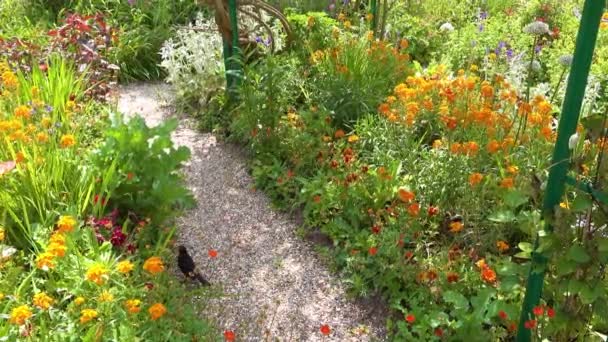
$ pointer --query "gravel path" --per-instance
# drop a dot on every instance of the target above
(274, 287)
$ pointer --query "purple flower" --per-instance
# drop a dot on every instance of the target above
(480, 27)
(118, 237)
(132, 2)
(501, 44)
(538, 48)
(509, 53)
(258, 39)
(483, 15)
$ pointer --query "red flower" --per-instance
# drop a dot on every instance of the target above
(433, 211)
(438, 332)
(410, 318)
(531, 324)
(376, 229)
(414, 209)
(372, 251)
(408, 255)
(325, 330)
(502, 314)
(538, 310)
(550, 312)
(212, 253)
(229, 335)
(452, 277)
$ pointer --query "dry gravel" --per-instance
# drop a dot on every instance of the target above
(274, 286)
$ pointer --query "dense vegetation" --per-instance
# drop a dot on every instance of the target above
(421, 150)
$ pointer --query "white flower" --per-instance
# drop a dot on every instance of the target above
(536, 28)
(573, 141)
(535, 66)
(446, 27)
(565, 60)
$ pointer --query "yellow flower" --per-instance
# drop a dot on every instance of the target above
(42, 137)
(46, 122)
(502, 246)
(2, 234)
(23, 112)
(56, 249)
(66, 224)
(455, 227)
(341, 17)
(45, 261)
(9, 79)
(57, 237)
(1, 296)
(124, 266)
(347, 25)
(87, 315)
(106, 296)
(564, 205)
(132, 305)
(513, 169)
(157, 311)
(35, 91)
(20, 314)
(97, 273)
(437, 143)
(353, 138)
(42, 300)
(474, 68)
(154, 265)
(369, 17)
(67, 140)
(78, 301)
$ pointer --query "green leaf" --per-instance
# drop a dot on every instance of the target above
(459, 301)
(504, 216)
(602, 244)
(579, 254)
(581, 203)
(526, 247)
(515, 198)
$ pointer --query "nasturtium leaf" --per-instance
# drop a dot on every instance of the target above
(581, 203)
(579, 254)
(457, 299)
(525, 246)
(515, 198)
(504, 216)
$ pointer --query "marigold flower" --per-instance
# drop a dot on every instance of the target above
(493, 146)
(212, 253)
(124, 266)
(372, 251)
(154, 265)
(414, 209)
(157, 311)
(133, 306)
(437, 143)
(87, 315)
(452, 277)
(66, 224)
(432, 211)
(57, 237)
(325, 330)
(406, 196)
(79, 301)
(456, 226)
(507, 183)
(410, 318)
(229, 335)
(23, 112)
(2, 234)
(512, 169)
(502, 246)
(45, 261)
(20, 315)
(42, 300)
(353, 138)
(106, 296)
(488, 275)
(339, 134)
(67, 140)
(97, 273)
(56, 249)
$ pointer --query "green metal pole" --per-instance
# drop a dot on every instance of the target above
(232, 53)
(374, 12)
(556, 184)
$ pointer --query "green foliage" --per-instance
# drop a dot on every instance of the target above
(145, 168)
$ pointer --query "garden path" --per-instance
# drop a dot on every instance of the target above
(273, 284)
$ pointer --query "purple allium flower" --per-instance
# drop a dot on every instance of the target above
(509, 53)
(258, 39)
(538, 48)
(480, 27)
(501, 45)
(483, 15)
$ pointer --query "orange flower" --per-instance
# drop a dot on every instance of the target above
(212, 253)
(23, 112)
(502, 246)
(339, 134)
(414, 209)
(406, 196)
(404, 43)
(154, 265)
(67, 140)
(452, 277)
(512, 169)
(133, 305)
(475, 178)
(97, 273)
(45, 261)
(493, 146)
(507, 183)
(410, 318)
(229, 335)
(56, 249)
(488, 275)
(66, 224)
(42, 300)
(87, 315)
(455, 148)
(157, 311)
(455, 227)
(20, 315)
(384, 108)
(471, 148)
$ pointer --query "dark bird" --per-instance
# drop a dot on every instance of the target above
(187, 266)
